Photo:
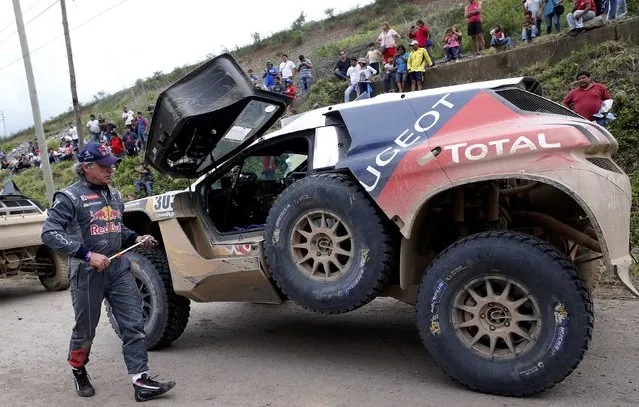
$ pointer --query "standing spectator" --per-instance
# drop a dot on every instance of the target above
(401, 61)
(475, 31)
(366, 75)
(536, 8)
(589, 98)
(550, 13)
(451, 45)
(287, 68)
(145, 181)
(421, 33)
(373, 56)
(390, 71)
(269, 75)
(278, 87)
(143, 129)
(73, 133)
(290, 89)
(387, 40)
(417, 62)
(30, 148)
(116, 144)
(130, 142)
(104, 132)
(305, 68)
(583, 11)
(341, 66)
(94, 128)
(499, 38)
(353, 75)
(127, 116)
(616, 8)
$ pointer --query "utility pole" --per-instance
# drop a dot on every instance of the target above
(3, 124)
(74, 91)
(35, 105)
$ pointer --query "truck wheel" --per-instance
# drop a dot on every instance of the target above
(165, 313)
(60, 280)
(504, 313)
(327, 247)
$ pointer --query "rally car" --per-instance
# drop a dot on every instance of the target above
(493, 210)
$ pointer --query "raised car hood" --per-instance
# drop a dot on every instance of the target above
(207, 116)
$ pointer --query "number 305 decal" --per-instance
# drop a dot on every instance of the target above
(163, 203)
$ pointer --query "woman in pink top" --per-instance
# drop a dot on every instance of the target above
(387, 40)
(473, 14)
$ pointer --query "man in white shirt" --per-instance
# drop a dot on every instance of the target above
(352, 73)
(127, 116)
(287, 68)
(94, 128)
(73, 133)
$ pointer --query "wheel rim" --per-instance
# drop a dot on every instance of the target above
(496, 317)
(147, 299)
(322, 245)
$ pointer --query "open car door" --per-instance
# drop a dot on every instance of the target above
(208, 116)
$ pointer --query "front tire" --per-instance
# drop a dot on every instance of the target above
(60, 280)
(504, 313)
(165, 313)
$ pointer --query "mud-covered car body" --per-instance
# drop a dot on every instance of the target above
(406, 150)
(491, 209)
(21, 248)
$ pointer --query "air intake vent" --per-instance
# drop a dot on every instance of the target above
(532, 103)
(605, 163)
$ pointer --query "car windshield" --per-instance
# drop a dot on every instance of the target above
(254, 116)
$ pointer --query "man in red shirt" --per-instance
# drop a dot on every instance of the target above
(589, 98)
(421, 33)
(583, 10)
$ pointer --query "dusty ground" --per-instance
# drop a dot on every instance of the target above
(257, 355)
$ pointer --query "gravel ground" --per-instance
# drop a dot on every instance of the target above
(238, 354)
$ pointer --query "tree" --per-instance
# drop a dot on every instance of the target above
(256, 37)
(297, 24)
(330, 12)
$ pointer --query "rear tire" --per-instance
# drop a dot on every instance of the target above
(517, 344)
(166, 314)
(327, 247)
(59, 281)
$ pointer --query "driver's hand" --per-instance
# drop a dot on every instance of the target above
(99, 261)
(148, 241)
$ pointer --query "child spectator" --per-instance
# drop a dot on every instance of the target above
(529, 24)
(451, 45)
(253, 78)
(278, 87)
(373, 56)
(366, 74)
(305, 73)
(401, 61)
(390, 69)
(116, 144)
(458, 33)
(535, 7)
(499, 38)
(387, 40)
(353, 75)
(417, 62)
(290, 89)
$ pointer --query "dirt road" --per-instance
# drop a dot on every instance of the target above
(258, 355)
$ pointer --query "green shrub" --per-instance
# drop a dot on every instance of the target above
(324, 92)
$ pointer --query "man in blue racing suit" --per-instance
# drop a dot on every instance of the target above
(85, 224)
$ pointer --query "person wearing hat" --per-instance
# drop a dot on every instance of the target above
(366, 73)
(417, 62)
(85, 225)
(269, 75)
